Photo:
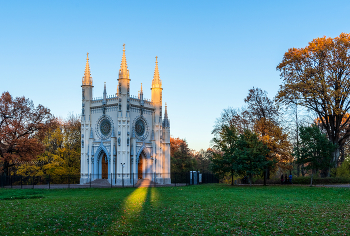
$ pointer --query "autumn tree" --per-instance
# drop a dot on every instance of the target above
(261, 116)
(318, 78)
(62, 150)
(22, 126)
(264, 114)
(182, 159)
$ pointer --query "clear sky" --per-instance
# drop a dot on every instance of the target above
(210, 52)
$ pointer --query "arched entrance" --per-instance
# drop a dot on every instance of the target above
(104, 167)
(139, 167)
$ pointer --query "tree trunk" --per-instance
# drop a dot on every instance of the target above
(250, 180)
(302, 170)
(336, 155)
(312, 175)
(232, 178)
(265, 176)
(298, 170)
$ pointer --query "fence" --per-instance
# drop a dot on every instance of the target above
(114, 180)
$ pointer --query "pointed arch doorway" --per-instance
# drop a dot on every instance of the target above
(104, 167)
(139, 167)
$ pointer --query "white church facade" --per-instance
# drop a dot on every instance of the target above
(124, 138)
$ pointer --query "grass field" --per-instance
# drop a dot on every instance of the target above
(199, 210)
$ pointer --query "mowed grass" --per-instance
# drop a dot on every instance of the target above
(199, 210)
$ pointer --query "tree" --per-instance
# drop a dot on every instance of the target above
(22, 126)
(182, 160)
(318, 78)
(239, 118)
(251, 155)
(239, 154)
(262, 117)
(344, 169)
(274, 137)
(62, 150)
(315, 150)
(264, 114)
(224, 159)
(203, 159)
(261, 106)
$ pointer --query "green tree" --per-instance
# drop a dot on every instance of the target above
(344, 169)
(314, 150)
(223, 158)
(250, 155)
(239, 154)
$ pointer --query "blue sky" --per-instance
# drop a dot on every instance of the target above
(210, 52)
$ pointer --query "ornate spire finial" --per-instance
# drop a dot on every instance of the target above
(123, 72)
(87, 79)
(156, 82)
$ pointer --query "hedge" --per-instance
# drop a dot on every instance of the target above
(307, 180)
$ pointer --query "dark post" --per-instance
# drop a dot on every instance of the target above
(68, 180)
(122, 174)
(33, 181)
(175, 178)
(49, 182)
(11, 179)
(21, 181)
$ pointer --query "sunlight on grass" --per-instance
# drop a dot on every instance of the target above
(131, 209)
(155, 197)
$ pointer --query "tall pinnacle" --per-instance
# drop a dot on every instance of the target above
(87, 79)
(156, 82)
(141, 93)
(104, 102)
(123, 72)
(166, 112)
(166, 122)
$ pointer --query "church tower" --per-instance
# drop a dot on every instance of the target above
(157, 119)
(123, 126)
(86, 119)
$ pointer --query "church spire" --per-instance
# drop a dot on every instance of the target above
(123, 72)
(166, 122)
(104, 102)
(156, 82)
(141, 93)
(87, 79)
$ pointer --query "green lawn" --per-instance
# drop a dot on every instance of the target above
(199, 210)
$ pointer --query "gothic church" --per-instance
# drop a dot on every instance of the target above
(124, 138)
